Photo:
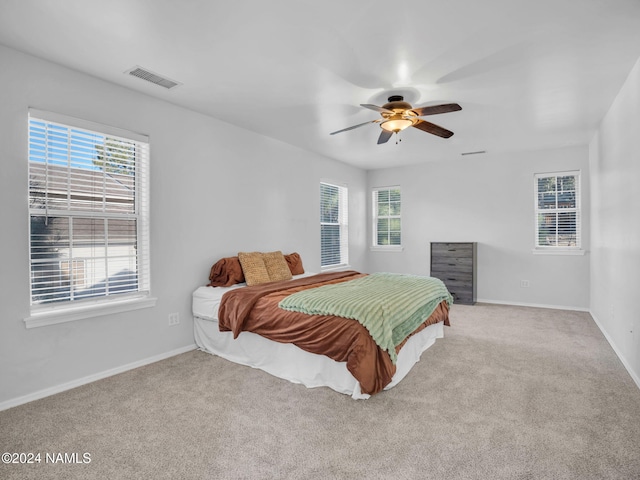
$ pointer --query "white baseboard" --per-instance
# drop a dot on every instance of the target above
(534, 305)
(14, 402)
(634, 375)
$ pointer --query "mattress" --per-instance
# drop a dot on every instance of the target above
(206, 300)
(287, 361)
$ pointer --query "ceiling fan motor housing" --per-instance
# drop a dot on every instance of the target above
(402, 116)
(397, 104)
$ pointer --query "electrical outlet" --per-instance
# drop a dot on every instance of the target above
(524, 283)
(174, 319)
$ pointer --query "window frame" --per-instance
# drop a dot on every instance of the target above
(375, 246)
(576, 249)
(47, 313)
(342, 221)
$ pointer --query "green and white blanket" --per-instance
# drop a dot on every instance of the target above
(389, 305)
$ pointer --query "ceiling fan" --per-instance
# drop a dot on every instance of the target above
(398, 115)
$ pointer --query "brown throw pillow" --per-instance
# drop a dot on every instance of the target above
(295, 263)
(253, 267)
(276, 266)
(226, 272)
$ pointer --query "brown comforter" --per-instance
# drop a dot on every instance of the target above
(255, 309)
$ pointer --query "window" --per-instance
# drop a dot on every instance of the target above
(88, 213)
(387, 222)
(334, 235)
(557, 210)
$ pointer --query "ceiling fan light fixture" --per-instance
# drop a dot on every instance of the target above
(396, 124)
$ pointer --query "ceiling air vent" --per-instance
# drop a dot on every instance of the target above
(149, 76)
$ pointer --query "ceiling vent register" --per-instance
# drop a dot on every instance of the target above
(154, 78)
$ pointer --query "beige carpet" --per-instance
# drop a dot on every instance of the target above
(509, 393)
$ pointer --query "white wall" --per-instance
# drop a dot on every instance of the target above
(615, 234)
(488, 199)
(215, 190)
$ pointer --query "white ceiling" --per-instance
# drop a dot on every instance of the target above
(528, 74)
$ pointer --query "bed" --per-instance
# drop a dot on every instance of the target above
(245, 322)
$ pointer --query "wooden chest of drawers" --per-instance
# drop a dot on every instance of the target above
(455, 264)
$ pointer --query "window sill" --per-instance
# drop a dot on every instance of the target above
(330, 268)
(390, 248)
(62, 315)
(557, 251)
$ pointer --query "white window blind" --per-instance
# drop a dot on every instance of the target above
(88, 210)
(334, 228)
(557, 210)
(387, 221)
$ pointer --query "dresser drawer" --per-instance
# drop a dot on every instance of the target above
(462, 297)
(459, 288)
(464, 250)
(458, 264)
(461, 278)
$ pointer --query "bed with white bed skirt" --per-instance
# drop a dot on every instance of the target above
(285, 360)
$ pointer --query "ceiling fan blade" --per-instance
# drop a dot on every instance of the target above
(384, 136)
(356, 126)
(434, 109)
(376, 108)
(432, 128)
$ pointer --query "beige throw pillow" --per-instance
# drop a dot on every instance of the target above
(277, 266)
(254, 268)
